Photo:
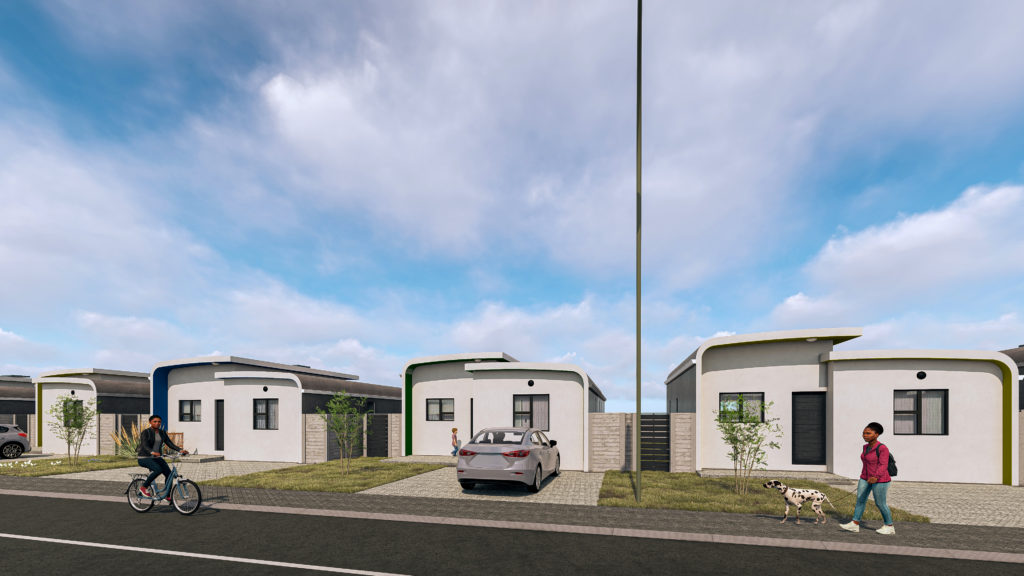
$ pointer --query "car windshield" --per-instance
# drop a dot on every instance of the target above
(499, 437)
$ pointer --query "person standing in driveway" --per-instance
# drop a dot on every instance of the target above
(874, 480)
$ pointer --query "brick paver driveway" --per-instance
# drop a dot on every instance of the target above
(569, 487)
(965, 504)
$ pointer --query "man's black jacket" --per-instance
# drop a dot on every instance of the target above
(146, 440)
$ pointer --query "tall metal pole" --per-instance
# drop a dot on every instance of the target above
(636, 424)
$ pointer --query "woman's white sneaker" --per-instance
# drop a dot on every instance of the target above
(887, 529)
(851, 526)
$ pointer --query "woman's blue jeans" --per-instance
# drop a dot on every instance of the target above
(880, 490)
(158, 467)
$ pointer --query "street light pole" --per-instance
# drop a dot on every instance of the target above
(636, 423)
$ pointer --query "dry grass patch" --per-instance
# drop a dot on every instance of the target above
(328, 476)
(61, 465)
(691, 492)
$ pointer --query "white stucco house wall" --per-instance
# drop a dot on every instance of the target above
(116, 391)
(475, 391)
(933, 404)
(245, 409)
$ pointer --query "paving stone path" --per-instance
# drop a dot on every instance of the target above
(569, 487)
(963, 504)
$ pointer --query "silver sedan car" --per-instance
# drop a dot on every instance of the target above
(508, 455)
(13, 441)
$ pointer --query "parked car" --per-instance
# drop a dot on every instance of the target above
(508, 455)
(13, 441)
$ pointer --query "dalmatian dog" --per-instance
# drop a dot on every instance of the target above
(797, 497)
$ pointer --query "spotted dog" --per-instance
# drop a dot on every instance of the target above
(797, 497)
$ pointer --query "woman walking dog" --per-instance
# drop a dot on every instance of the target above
(874, 479)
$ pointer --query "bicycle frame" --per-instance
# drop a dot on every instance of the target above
(171, 483)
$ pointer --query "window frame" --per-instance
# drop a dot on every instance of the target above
(256, 414)
(530, 413)
(192, 404)
(739, 405)
(917, 412)
(441, 414)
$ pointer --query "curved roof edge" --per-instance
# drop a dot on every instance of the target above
(56, 380)
(836, 335)
(977, 355)
(91, 371)
(540, 367)
(464, 357)
(239, 375)
(199, 360)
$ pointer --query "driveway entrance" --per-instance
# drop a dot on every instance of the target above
(569, 487)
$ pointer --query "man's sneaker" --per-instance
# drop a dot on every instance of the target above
(886, 529)
(851, 526)
(145, 492)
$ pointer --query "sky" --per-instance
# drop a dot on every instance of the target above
(350, 185)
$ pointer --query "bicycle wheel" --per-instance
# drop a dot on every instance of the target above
(136, 500)
(186, 497)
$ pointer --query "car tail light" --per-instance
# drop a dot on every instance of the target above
(465, 452)
(22, 434)
(516, 453)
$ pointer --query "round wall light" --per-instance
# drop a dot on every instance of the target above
(530, 383)
(921, 375)
(264, 388)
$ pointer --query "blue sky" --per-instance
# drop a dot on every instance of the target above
(349, 185)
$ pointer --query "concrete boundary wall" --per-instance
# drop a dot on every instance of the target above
(682, 442)
(394, 434)
(1020, 450)
(611, 441)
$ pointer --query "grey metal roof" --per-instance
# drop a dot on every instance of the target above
(1016, 354)
(137, 387)
(10, 391)
(323, 384)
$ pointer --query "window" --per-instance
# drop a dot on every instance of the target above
(531, 410)
(439, 409)
(741, 407)
(190, 411)
(923, 412)
(264, 414)
(74, 413)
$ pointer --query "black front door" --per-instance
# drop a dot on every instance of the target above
(808, 428)
(218, 423)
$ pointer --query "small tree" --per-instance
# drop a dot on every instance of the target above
(749, 436)
(343, 416)
(72, 420)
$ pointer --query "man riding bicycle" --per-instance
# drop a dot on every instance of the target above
(151, 441)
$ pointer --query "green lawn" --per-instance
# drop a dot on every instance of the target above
(328, 476)
(61, 465)
(691, 492)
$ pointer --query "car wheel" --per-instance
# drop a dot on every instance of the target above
(11, 450)
(467, 485)
(537, 479)
(558, 465)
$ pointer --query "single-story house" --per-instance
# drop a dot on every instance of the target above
(245, 409)
(933, 404)
(116, 392)
(18, 403)
(475, 391)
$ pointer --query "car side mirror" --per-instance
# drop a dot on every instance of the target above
(554, 442)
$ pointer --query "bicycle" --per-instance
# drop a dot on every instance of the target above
(184, 493)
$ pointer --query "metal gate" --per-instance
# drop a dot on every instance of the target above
(654, 442)
(377, 436)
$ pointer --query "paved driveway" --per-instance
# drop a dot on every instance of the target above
(569, 487)
(965, 504)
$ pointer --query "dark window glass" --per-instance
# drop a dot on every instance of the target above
(440, 409)
(531, 410)
(264, 414)
(920, 412)
(741, 407)
(190, 411)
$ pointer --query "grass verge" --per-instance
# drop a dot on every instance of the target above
(61, 465)
(679, 491)
(328, 476)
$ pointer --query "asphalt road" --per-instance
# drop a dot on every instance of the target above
(384, 547)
